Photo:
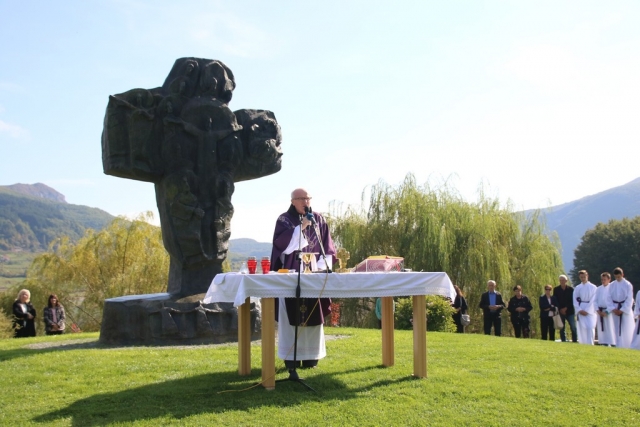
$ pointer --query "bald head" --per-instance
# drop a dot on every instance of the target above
(300, 199)
(298, 192)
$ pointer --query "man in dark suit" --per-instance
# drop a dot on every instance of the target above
(492, 304)
(564, 295)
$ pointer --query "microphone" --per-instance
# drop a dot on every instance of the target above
(309, 214)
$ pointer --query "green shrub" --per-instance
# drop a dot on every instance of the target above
(6, 325)
(439, 312)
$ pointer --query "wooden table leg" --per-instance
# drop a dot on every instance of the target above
(244, 338)
(419, 336)
(268, 344)
(387, 332)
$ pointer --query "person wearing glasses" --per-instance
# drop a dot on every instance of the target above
(548, 306)
(584, 303)
(604, 325)
(300, 229)
(620, 303)
(564, 295)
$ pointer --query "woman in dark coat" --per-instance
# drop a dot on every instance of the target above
(460, 304)
(54, 316)
(548, 306)
(24, 315)
(519, 307)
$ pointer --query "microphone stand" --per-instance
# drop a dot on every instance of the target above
(293, 374)
(316, 229)
(324, 255)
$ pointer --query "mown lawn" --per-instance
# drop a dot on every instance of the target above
(472, 380)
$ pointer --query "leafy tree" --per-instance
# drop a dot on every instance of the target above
(607, 246)
(436, 230)
(125, 258)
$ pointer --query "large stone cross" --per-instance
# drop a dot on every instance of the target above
(184, 138)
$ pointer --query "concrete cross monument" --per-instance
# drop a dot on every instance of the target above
(183, 137)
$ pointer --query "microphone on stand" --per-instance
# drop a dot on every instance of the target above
(309, 214)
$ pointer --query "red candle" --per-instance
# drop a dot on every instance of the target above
(252, 264)
(266, 264)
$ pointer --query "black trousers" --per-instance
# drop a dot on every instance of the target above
(493, 319)
(521, 327)
(547, 327)
(458, 322)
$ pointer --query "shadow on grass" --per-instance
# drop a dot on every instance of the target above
(49, 346)
(85, 344)
(207, 393)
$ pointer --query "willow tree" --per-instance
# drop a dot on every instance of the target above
(436, 230)
(125, 258)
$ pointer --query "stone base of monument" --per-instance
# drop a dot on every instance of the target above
(165, 319)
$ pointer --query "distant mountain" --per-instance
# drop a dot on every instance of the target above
(37, 190)
(250, 247)
(240, 249)
(31, 216)
(571, 220)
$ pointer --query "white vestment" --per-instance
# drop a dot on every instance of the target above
(621, 298)
(635, 343)
(310, 338)
(604, 326)
(584, 298)
(311, 344)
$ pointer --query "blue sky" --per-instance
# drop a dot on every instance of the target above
(538, 102)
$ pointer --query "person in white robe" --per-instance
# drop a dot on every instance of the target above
(301, 229)
(584, 302)
(620, 303)
(635, 343)
(604, 327)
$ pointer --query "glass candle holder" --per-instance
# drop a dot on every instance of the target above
(252, 264)
(265, 263)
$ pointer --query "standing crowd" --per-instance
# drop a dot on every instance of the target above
(24, 316)
(605, 312)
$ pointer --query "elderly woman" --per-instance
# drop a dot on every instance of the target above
(519, 308)
(548, 307)
(54, 316)
(24, 315)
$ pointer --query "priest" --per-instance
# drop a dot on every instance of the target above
(584, 301)
(297, 230)
(620, 304)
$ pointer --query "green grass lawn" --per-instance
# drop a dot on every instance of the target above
(472, 380)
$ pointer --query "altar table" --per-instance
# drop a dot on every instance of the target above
(237, 288)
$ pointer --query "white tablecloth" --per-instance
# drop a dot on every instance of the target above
(236, 288)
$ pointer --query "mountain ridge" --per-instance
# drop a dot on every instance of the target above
(38, 190)
(32, 216)
(571, 220)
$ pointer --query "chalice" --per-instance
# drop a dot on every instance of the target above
(306, 260)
